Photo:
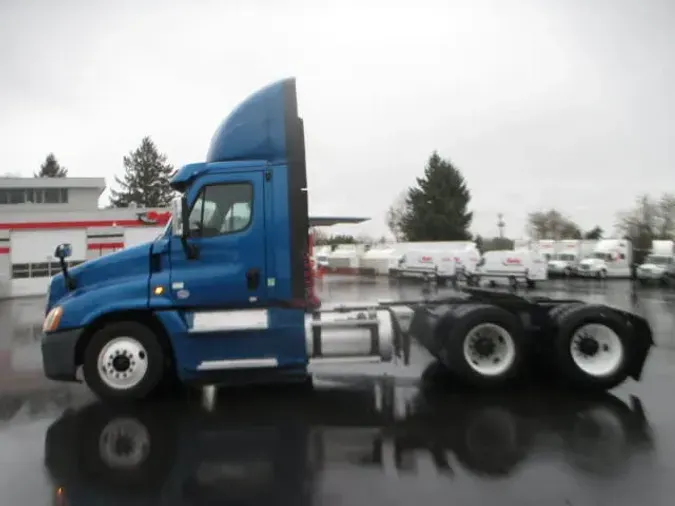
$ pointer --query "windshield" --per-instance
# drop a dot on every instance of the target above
(566, 257)
(658, 260)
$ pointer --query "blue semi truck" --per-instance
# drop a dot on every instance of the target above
(224, 293)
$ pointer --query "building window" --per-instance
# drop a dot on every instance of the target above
(40, 270)
(34, 196)
(27, 333)
(20, 271)
(52, 195)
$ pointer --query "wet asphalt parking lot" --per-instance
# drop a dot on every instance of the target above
(370, 435)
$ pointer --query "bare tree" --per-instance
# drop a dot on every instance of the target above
(641, 220)
(395, 216)
(666, 210)
(551, 224)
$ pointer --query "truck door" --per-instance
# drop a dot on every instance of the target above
(227, 234)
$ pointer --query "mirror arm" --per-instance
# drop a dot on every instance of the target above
(70, 282)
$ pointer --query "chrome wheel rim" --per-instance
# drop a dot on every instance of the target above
(597, 350)
(489, 349)
(122, 363)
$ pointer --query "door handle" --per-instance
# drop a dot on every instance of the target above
(253, 279)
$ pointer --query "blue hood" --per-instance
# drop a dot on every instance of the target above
(134, 261)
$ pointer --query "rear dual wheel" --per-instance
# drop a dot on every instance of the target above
(482, 344)
(590, 346)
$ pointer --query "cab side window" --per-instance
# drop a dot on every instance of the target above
(222, 209)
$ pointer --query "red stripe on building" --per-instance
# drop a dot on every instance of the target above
(4, 251)
(105, 245)
(41, 225)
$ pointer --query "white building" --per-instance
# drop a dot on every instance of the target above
(36, 214)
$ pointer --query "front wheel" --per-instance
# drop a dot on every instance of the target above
(123, 361)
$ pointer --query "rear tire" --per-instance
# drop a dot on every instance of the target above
(124, 361)
(591, 346)
(483, 345)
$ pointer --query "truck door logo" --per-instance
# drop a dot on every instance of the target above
(153, 217)
(425, 260)
(512, 261)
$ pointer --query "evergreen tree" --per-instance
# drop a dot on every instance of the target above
(480, 244)
(594, 234)
(146, 178)
(51, 168)
(436, 209)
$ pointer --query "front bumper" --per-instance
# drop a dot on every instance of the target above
(650, 275)
(58, 354)
(558, 269)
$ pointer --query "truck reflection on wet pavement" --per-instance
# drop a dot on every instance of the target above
(375, 434)
(282, 445)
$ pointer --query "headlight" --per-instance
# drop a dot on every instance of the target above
(52, 320)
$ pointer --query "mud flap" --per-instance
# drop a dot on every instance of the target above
(643, 342)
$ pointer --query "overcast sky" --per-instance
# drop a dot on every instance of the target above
(564, 103)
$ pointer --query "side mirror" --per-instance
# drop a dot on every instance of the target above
(185, 216)
(179, 217)
(63, 251)
(180, 225)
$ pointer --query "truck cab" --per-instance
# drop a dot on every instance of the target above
(611, 258)
(565, 260)
(225, 292)
(659, 266)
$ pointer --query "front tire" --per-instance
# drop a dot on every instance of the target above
(124, 361)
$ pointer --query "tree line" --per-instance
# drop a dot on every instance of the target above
(145, 182)
(436, 208)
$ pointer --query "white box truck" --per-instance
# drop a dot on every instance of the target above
(611, 258)
(659, 266)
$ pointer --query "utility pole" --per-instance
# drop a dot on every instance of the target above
(501, 225)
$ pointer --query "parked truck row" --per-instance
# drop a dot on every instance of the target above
(445, 262)
(528, 262)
